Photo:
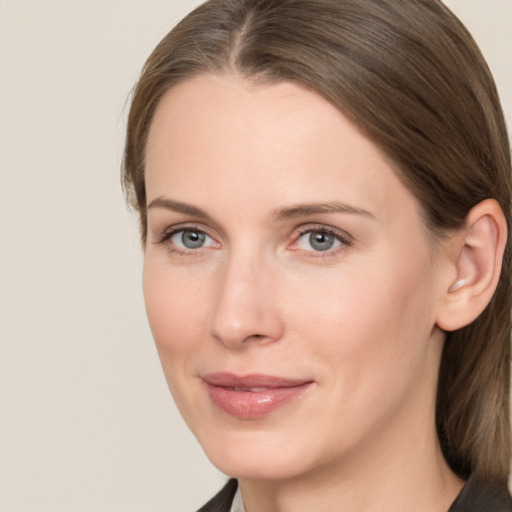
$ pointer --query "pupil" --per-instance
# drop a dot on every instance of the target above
(321, 241)
(193, 239)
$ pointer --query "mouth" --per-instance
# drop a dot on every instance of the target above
(252, 396)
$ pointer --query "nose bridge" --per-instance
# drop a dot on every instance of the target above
(244, 308)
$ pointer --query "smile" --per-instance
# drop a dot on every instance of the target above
(252, 396)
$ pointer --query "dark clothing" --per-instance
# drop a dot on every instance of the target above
(476, 496)
(221, 502)
(480, 496)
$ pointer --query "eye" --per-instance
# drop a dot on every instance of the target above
(190, 239)
(320, 240)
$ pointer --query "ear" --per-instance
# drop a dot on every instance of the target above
(476, 259)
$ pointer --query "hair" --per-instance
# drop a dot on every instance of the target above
(411, 77)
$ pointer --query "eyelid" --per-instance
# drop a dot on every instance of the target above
(166, 235)
(345, 239)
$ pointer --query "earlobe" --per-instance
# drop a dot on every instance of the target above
(477, 263)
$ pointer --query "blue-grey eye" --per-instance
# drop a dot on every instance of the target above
(318, 241)
(191, 239)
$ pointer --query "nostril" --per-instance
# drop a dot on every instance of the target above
(257, 339)
(256, 336)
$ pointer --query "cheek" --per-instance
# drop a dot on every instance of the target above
(177, 314)
(371, 324)
(174, 308)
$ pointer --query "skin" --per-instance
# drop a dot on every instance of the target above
(358, 319)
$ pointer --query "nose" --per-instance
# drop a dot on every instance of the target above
(246, 310)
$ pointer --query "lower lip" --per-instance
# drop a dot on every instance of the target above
(254, 404)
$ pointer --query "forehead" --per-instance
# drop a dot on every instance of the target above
(269, 143)
(250, 115)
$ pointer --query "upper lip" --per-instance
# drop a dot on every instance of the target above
(230, 380)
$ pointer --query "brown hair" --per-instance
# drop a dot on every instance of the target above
(411, 77)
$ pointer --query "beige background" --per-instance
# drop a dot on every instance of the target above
(86, 422)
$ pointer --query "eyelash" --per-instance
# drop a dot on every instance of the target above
(167, 235)
(344, 239)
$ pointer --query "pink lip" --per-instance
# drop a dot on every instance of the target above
(252, 396)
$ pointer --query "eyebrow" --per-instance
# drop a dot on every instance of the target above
(289, 212)
(176, 206)
(303, 210)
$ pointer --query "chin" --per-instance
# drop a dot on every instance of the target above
(258, 455)
(262, 467)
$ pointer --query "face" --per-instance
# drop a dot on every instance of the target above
(289, 280)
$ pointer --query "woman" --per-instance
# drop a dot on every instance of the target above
(324, 197)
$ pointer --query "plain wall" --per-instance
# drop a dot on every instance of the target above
(86, 421)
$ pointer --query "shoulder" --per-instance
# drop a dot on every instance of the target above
(483, 496)
(222, 501)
